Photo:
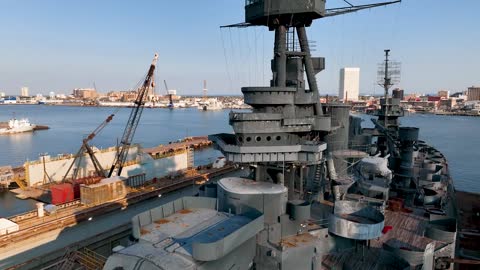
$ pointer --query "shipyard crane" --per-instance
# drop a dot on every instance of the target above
(86, 148)
(133, 120)
(170, 98)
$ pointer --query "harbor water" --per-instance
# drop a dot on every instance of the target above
(455, 136)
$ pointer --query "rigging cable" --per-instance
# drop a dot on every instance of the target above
(227, 68)
(233, 55)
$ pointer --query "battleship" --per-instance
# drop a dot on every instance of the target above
(320, 192)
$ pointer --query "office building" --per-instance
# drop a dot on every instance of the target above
(24, 92)
(349, 84)
(473, 93)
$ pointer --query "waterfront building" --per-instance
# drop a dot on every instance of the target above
(8, 100)
(473, 93)
(85, 93)
(24, 91)
(349, 83)
(127, 96)
(447, 104)
(444, 94)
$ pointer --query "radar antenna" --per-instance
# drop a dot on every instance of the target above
(388, 73)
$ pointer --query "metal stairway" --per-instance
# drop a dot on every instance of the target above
(89, 259)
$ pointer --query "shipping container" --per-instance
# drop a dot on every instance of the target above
(107, 190)
(136, 180)
(7, 226)
(83, 181)
(62, 193)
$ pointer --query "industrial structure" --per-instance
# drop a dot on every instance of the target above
(147, 162)
(85, 171)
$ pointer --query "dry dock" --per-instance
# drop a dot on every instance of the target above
(38, 241)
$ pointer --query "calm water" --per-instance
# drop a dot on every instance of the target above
(456, 137)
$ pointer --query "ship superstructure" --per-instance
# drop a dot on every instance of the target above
(322, 193)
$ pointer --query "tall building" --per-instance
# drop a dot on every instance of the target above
(473, 93)
(24, 92)
(349, 83)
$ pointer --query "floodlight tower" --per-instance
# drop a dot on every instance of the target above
(283, 137)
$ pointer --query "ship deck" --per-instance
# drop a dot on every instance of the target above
(409, 227)
(362, 258)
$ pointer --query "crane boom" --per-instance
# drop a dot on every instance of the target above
(170, 98)
(352, 8)
(86, 148)
(133, 120)
(166, 87)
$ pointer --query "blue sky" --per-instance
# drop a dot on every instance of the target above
(55, 45)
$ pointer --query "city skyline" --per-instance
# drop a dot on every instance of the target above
(57, 47)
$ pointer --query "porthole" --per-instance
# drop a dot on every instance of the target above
(258, 138)
(240, 139)
(278, 138)
(269, 138)
(249, 139)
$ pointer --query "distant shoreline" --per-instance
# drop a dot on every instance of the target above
(449, 113)
(110, 106)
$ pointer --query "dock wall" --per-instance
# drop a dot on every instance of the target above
(137, 163)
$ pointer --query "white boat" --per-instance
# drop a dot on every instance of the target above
(17, 126)
(210, 105)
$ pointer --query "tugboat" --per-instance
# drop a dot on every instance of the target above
(17, 126)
